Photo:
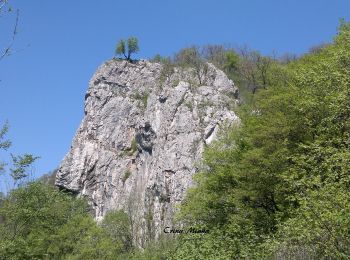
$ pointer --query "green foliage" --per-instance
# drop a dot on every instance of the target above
(21, 165)
(167, 69)
(120, 48)
(279, 185)
(275, 187)
(126, 48)
(142, 97)
(4, 144)
(253, 70)
(189, 105)
(319, 229)
(191, 58)
(117, 225)
(145, 99)
(162, 249)
(130, 150)
(126, 175)
(81, 238)
(161, 59)
(133, 145)
(221, 243)
(39, 222)
(133, 46)
(32, 214)
(157, 58)
(188, 57)
(232, 61)
(249, 69)
(215, 54)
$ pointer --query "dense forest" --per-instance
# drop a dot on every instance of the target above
(274, 187)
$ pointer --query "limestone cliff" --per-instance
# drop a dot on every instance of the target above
(142, 137)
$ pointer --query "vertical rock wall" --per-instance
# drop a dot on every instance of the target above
(142, 136)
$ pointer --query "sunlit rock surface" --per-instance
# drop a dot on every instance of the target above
(142, 138)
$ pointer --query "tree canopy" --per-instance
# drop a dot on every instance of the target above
(37, 221)
(278, 185)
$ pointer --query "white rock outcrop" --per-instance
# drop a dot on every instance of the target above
(142, 138)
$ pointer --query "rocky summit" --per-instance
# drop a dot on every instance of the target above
(142, 138)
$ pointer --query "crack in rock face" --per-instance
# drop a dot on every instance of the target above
(142, 137)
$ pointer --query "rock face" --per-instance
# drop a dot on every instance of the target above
(142, 137)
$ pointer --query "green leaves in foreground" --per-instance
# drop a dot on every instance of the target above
(39, 222)
(280, 186)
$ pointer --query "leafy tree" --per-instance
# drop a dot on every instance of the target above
(81, 238)
(319, 229)
(117, 225)
(161, 249)
(232, 61)
(254, 69)
(279, 185)
(37, 221)
(215, 54)
(126, 49)
(161, 59)
(188, 57)
(32, 214)
(191, 58)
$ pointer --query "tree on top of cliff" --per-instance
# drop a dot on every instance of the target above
(126, 48)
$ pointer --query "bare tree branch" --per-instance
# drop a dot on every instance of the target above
(7, 50)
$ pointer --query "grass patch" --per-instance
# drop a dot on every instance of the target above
(133, 147)
(127, 174)
(189, 105)
(142, 97)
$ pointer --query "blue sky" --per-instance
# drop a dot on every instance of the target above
(61, 43)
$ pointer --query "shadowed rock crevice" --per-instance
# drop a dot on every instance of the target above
(145, 138)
